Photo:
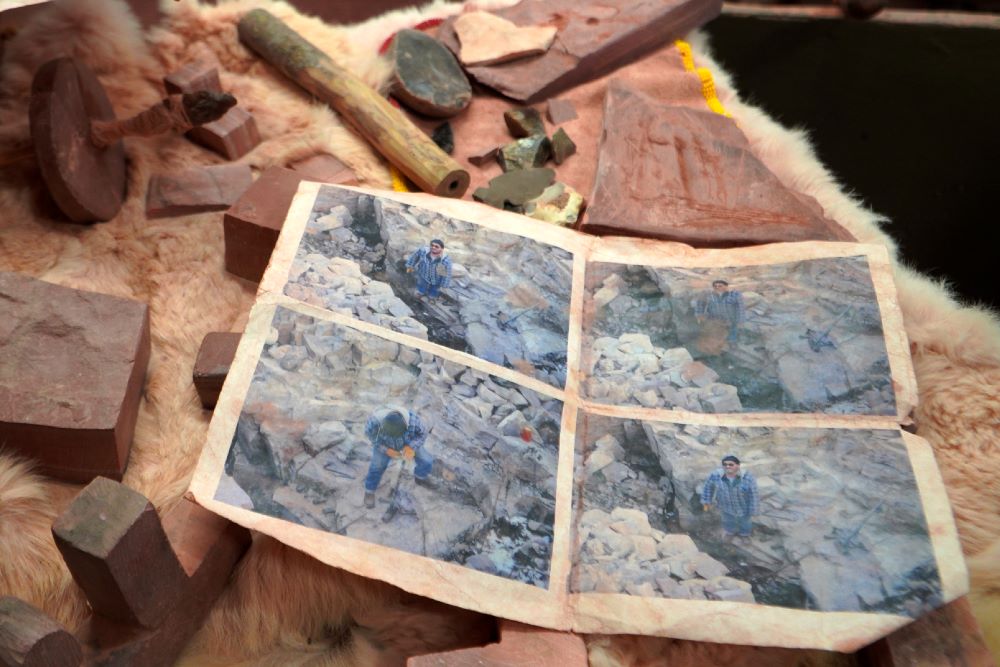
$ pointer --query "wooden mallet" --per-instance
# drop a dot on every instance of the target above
(76, 138)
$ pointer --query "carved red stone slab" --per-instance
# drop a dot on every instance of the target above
(685, 175)
(71, 377)
(86, 182)
(592, 39)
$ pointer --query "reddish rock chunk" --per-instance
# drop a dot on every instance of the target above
(232, 136)
(200, 74)
(488, 39)
(519, 645)
(196, 190)
(560, 111)
(71, 377)
(251, 225)
(593, 39)
(215, 356)
(484, 156)
(676, 173)
(325, 168)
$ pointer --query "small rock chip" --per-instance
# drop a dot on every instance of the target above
(444, 137)
(532, 151)
(232, 136)
(560, 111)
(562, 146)
(558, 203)
(488, 39)
(427, 78)
(482, 157)
(524, 122)
(510, 191)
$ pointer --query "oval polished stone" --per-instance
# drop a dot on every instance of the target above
(427, 77)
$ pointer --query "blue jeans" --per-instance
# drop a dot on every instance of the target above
(425, 288)
(735, 524)
(380, 461)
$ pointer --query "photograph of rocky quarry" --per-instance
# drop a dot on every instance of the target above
(817, 519)
(500, 297)
(803, 336)
(353, 434)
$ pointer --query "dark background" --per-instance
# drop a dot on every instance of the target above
(905, 117)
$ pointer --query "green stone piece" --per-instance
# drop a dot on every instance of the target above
(427, 77)
(558, 203)
(511, 190)
(562, 146)
(524, 153)
(524, 122)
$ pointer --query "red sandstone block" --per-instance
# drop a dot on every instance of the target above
(29, 638)
(253, 223)
(325, 168)
(196, 190)
(201, 74)
(72, 365)
(519, 645)
(215, 356)
(232, 136)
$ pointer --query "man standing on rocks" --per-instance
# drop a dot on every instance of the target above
(735, 494)
(433, 268)
(720, 313)
(396, 433)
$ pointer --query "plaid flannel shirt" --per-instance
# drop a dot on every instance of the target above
(727, 306)
(432, 271)
(739, 497)
(414, 436)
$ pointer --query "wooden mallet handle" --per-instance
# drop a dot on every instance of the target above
(383, 125)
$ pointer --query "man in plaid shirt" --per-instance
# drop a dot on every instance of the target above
(432, 267)
(735, 494)
(396, 433)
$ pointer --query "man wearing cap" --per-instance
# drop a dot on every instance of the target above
(735, 494)
(720, 313)
(432, 267)
(396, 433)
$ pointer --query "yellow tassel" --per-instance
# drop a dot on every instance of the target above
(708, 90)
(707, 83)
(685, 50)
(398, 180)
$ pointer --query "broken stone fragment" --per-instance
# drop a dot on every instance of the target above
(484, 156)
(524, 153)
(562, 146)
(487, 39)
(524, 122)
(510, 191)
(558, 203)
(426, 76)
(196, 190)
(232, 136)
(593, 40)
(560, 111)
(444, 137)
(199, 74)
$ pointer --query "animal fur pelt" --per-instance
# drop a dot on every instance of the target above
(283, 608)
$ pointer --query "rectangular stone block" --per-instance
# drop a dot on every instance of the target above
(71, 376)
(200, 74)
(252, 224)
(232, 136)
(212, 365)
(196, 190)
(115, 547)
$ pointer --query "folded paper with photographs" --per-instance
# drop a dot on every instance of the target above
(596, 434)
